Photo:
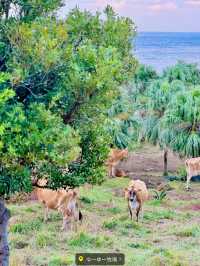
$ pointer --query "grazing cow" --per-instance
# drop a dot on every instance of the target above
(115, 156)
(192, 168)
(65, 201)
(136, 194)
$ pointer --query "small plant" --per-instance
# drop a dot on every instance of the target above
(159, 195)
(85, 240)
(25, 228)
(139, 245)
(158, 215)
(114, 210)
(181, 172)
(188, 232)
(60, 261)
(44, 240)
(86, 200)
(110, 224)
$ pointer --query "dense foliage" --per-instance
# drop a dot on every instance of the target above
(59, 79)
(166, 108)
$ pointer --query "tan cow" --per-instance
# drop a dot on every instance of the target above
(136, 194)
(114, 157)
(193, 169)
(65, 201)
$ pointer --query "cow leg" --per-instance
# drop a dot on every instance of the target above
(131, 213)
(46, 214)
(109, 171)
(142, 213)
(65, 224)
(137, 213)
(112, 171)
(188, 181)
(75, 224)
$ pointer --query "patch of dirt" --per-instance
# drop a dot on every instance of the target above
(21, 245)
(117, 192)
(147, 165)
(150, 159)
(194, 207)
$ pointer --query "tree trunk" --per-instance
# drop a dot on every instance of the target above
(165, 172)
(4, 249)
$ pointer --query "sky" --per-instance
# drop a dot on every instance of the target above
(150, 15)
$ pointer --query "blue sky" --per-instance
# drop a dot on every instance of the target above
(150, 15)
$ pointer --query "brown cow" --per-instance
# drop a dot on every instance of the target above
(136, 194)
(192, 168)
(65, 201)
(115, 156)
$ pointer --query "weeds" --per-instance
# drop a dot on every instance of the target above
(111, 225)
(160, 195)
(27, 227)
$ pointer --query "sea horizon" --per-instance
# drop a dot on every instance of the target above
(163, 49)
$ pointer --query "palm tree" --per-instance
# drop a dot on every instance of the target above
(121, 124)
(159, 94)
(180, 125)
(188, 73)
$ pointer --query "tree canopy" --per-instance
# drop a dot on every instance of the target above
(59, 79)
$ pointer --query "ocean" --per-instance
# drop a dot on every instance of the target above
(162, 49)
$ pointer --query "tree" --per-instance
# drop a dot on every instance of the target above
(187, 73)
(27, 10)
(153, 103)
(181, 123)
(84, 61)
(168, 108)
(63, 77)
(121, 124)
(31, 138)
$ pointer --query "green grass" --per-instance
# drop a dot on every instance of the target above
(159, 215)
(27, 227)
(168, 235)
(111, 225)
(44, 240)
(85, 240)
(192, 231)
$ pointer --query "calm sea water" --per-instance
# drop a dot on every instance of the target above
(164, 49)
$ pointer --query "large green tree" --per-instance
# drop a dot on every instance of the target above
(63, 78)
(70, 69)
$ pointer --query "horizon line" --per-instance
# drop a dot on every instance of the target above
(156, 31)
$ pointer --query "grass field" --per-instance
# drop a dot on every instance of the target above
(169, 234)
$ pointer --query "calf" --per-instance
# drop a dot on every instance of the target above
(136, 194)
(65, 201)
(115, 156)
(193, 168)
